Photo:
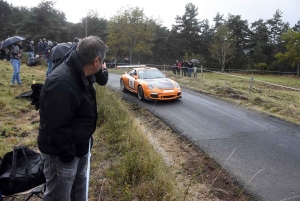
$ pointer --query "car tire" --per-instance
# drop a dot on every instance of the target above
(140, 93)
(122, 85)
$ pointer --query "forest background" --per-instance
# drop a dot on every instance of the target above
(230, 43)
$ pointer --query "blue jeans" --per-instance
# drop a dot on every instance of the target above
(16, 74)
(31, 54)
(49, 67)
(190, 72)
(65, 181)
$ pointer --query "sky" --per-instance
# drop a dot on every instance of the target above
(166, 10)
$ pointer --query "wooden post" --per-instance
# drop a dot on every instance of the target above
(201, 71)
(251, 83)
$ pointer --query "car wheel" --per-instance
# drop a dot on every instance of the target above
(122, 85)
(140, 93)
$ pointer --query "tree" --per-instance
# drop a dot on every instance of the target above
(96, 26)
(187, 27)
(45, 21)
(297, 26)
(241, 32)
(292, 41)
(223, 45)
(259, 42)
(130, 31)
(276, 27)
(162, 53)
(6, 12)
(219, 20)
(206, 38)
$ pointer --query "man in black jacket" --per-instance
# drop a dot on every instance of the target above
(30, 49)
(68, 115)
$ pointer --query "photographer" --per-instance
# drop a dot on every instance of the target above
(68, 116)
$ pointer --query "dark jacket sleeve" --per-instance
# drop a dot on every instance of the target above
(102, 77)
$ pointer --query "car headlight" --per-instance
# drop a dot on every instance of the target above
(176, 85)
(150, 86)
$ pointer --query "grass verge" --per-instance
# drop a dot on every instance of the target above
(131, 168)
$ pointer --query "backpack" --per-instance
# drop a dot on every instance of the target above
(20, 170)
(32, 62)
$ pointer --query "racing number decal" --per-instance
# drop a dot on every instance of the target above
(131, 83)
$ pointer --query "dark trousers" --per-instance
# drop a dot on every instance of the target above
(174, 69)
(184, 71)
(2, 54)
(178, 70)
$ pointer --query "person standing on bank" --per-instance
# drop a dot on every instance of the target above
(15, 51)
(68, 116)
(49, 61)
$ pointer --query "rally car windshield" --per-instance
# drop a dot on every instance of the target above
(150, 74)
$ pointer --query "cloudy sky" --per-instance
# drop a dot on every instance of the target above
(167, 10)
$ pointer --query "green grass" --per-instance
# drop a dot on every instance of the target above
(135, 170)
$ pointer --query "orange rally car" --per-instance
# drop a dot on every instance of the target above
(150, 83)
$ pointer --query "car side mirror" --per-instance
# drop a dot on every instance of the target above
(135, 77)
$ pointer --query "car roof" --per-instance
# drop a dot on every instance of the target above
(146, 68)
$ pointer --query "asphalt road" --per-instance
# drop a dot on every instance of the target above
(262, 153)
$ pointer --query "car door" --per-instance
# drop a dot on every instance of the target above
(131, 80)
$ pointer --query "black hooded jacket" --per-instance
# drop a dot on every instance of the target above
(68, 111)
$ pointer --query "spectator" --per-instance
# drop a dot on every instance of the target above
(178, 64)
(45, 44)
(30, 49)
(174, 67)
(15, 51)
(41, 47)
(126, 61)
(195, 70)
(184, 66)
(114, 62)
(68, 119)
(190, 69)
(107, 61)
(76, 40)
(49, 61)
(2, 53)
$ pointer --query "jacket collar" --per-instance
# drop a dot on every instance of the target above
(74, 62)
